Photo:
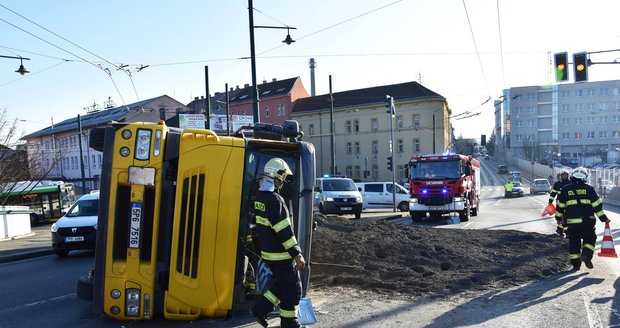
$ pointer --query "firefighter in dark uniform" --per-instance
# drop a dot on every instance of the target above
(555, 190)
(577, 205)
(278, 247)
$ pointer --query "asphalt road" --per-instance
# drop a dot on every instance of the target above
(40, 292)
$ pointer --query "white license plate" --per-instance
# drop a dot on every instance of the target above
(345, 208)
(134, 229)
(74, 239)
(436, 208)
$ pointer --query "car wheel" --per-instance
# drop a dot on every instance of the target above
(358, 215)
(403, 206)
(61, 252)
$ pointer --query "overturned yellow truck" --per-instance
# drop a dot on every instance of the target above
(175, 232)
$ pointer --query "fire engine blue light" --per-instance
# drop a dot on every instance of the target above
(445, 191)
(425, 191)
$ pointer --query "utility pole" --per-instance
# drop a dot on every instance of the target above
(79, 119)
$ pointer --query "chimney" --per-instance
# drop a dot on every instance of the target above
(274, 79)
(312, 88)
(247, 85)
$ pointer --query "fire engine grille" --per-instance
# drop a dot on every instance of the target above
(190, 225)
(435, 200)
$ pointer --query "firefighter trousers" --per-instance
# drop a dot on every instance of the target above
(581, 241)
(285, 291)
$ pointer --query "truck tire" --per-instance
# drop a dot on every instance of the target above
(85, 288)
(474, 211)
(417, 216)
(358, 215)
(465, 214)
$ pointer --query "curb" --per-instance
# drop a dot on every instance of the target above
(12, 256)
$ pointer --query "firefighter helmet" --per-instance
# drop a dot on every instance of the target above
(565, 171)
(580, 173)
(276, 168)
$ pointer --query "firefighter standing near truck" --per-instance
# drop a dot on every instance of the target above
(278, 246)
(563, 180)
(577, 205)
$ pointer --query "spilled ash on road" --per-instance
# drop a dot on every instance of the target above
(411, 261)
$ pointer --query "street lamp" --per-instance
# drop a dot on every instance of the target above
(288, 40)
(21, 70)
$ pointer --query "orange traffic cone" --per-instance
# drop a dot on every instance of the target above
(607, 246)
(549, 210)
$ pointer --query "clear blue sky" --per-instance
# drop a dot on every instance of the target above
(453, 46)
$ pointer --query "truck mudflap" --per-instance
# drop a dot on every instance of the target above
(451, 207)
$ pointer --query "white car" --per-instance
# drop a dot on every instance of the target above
(379, 194)
(77, 229)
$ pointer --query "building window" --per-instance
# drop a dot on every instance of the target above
(565, 93)
(356, 125)
(349, 171)
(357, 171)
(416, 145)
(519, 137)
(311, 129)
(375, 147)
(375, 172)
(578, 135)
(603, 119)
(565, 121)
(591, 92)
(530, 96)
(374, 125)
(530, 122)
(565, 135)
(578, 93)
(348, 126)
(590, 134)
(602, 134)
(589, 120)
(578, 120)
(602, 106)
(399, 145)
(615, 134)
(416, 121)
(267, 111)
(399, 121)
(565, 107)
(349, 148)
(357, 148)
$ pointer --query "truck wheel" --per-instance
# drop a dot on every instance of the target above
(474, 211)
(321, 209)
(417, 216)
(403, 206)
(464, 216)
(85, 288)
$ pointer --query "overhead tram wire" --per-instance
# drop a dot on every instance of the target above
(105, 70)
(118, 67)
(31, 74)
(501, 47)
(334, 25)
(486, 84)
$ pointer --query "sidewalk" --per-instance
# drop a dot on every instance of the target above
(37, 243)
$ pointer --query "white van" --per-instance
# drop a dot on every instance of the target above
(337, 196)
(379, 194)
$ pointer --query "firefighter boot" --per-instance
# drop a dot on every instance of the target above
(588, 263)
(262, 320)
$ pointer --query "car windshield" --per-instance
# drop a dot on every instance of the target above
(339, 185)
(516, 184)
(435, 170)
(88, 207)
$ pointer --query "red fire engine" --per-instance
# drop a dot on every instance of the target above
(441, 184)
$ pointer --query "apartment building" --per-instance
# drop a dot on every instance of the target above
(362, 132)
(575, 123)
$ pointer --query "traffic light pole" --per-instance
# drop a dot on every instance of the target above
(392, 112)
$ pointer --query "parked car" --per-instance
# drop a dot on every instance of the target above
(380, 195)
(77, 229)
(540, 185)
(517, 190)
(337, 196)
(502, 169)
(606, 186)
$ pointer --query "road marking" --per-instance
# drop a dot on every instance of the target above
(8, 310)
(594, 319)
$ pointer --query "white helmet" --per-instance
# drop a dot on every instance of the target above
(276, 168)
(580, 173)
